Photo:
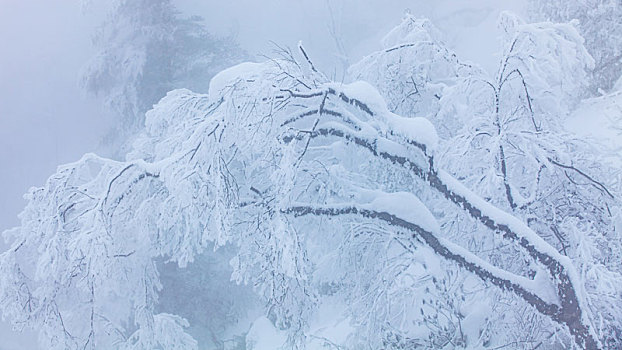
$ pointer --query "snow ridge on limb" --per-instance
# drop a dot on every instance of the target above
(409, 213)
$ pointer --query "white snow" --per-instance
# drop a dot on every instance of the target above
(411, 30)
(241, 71)
(364, 92)
(406, 206)
(173, 133)
(540, 287)
(416, 129)
(330, 324)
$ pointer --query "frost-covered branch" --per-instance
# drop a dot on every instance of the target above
(571, 311)
(231, 169)
(519, 285)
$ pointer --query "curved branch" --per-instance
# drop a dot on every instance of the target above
(502, 279)
(570, 313)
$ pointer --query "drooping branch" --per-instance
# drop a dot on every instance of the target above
(570, 313)
(470, 262)
(560, 268)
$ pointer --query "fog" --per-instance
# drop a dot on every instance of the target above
(469, 26)
(47, 120)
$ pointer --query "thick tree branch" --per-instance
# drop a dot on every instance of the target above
(493, 218)
(470, 262)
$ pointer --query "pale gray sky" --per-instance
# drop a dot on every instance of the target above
(45, 120)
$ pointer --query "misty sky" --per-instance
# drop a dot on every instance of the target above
(46, 120)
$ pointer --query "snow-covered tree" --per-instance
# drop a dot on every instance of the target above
(514, 120)
(431, 206)
(534, 167)
(599, 23)
(413, 72)
(146, 48)
(506, 139)
(324, 193)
